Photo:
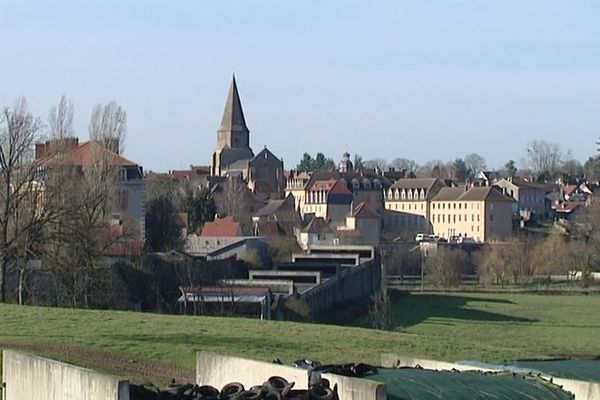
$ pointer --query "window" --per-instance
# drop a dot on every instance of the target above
(123, 199)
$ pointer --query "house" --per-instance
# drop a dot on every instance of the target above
(276, 218)
(329, 199)
(222, 227)
(407, 204)
(318, 232)
(364, 221)
(363, 187)
(234, 156)
(197, 177)
(568, 211)
(486, 178)
(129, 207)
(530, 197)
(481, 213)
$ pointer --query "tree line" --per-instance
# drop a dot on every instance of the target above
(542, 160)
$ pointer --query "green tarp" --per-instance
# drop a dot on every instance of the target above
(421, 384)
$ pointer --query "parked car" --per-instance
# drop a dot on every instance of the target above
(465, 239)
(420, 237)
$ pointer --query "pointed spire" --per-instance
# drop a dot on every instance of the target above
(233, 116)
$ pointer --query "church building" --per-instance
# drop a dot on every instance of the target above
(234, 157)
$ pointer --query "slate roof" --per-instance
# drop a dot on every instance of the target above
(318, 225)
(419, 183)
(364, 211)
(478, 193)
(233, 116)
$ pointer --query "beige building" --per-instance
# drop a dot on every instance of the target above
(407, 204)
(481, 213)
(295, 185)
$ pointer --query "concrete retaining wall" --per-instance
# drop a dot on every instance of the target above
(217, 370)
(29, 377)
(357, 283)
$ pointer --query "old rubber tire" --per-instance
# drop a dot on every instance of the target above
(231, 390)
(320, 393)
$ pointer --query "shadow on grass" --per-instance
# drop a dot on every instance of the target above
(411, 310)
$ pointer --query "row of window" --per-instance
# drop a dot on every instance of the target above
(410, 194)
(455, 206)
(408, 206)
(411, 221)
(441, 218)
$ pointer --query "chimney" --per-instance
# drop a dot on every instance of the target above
(40, 150)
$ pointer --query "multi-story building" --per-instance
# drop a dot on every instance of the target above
(407, 204)
(481, 213)
(129, 206)
(530, 197)
(296, 186)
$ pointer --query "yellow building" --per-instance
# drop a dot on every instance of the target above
(407, 204)
(481, 213)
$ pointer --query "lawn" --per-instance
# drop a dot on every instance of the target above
(487, 327)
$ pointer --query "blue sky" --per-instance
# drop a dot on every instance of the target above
(415, 79)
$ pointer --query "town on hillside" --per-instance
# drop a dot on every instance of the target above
(248, 236)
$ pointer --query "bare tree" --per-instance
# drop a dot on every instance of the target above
(404, 163)
(108, 125)
(232, 198)
(436, 169)
(474, 163)
(19, 130)
(60, 119)
(501, 261)
(375, 163)
(545, 157)
(445, 267)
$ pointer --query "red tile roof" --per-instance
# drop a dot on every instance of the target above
(325, 185)
(339, 188)
(222, 227)
(89, 152)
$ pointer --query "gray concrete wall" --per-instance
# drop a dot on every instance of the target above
(217, 370)
(359, 282)
(29, 377)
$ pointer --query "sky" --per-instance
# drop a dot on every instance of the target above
(420, 79)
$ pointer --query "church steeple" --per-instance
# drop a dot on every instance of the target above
(233, 132)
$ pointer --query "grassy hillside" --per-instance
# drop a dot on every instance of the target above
(488, 327)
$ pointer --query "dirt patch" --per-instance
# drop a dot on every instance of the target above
(112, 363)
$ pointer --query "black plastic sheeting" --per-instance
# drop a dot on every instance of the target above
(275, 388)
(422, 384)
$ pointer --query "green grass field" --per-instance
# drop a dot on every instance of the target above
(486, 327)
